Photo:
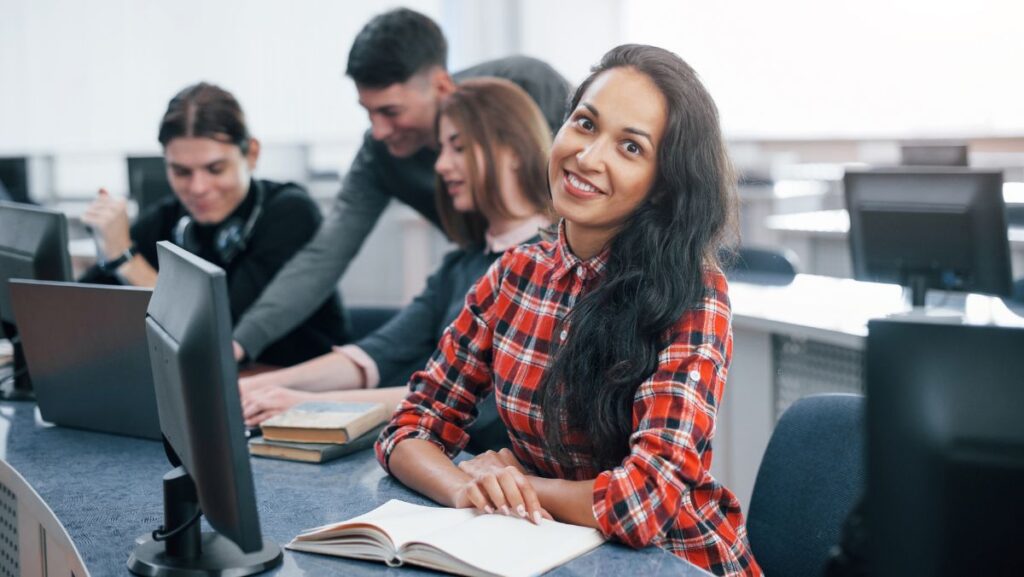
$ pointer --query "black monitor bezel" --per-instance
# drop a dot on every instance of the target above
(985, 212)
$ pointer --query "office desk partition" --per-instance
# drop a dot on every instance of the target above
(107, 492)
(805, 338)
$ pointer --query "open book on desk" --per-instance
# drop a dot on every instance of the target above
(457, 541)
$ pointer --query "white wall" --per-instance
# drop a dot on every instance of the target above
(94, 76)
(869, 68)
(97, 75)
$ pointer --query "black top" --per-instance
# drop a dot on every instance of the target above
(288, 220)
(404, 344)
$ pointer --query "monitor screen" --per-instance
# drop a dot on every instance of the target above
(945, 445)
(33, 245)
(147, 180)
(929, 228)
(14, 179)
(188, 328)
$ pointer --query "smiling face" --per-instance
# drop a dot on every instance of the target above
(209, 177)
(453, 165)
(402, 114)
(604, 159)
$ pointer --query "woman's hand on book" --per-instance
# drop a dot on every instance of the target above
(497, 482)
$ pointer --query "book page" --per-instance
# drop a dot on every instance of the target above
(401, 521)
(506, 546)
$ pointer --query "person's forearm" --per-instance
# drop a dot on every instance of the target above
(423, 467)
(137, 272)
(331, 372)
(567, 501)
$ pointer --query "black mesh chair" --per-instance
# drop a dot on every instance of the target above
(811, 477)
(762, 265)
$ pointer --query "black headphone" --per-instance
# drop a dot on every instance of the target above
(231, 237)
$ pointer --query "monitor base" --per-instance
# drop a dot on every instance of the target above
(220, 558)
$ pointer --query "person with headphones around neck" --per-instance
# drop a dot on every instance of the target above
(219, 212)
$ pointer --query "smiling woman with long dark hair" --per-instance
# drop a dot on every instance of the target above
(608, 347)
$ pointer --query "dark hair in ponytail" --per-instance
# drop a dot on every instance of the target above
(656, 267)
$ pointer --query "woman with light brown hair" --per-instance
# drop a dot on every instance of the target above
(491, 195)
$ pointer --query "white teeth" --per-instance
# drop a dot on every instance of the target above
(580, 184)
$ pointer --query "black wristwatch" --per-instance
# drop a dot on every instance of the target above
(111, 266)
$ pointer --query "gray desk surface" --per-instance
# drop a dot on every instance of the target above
(107, 492)
(837, 310)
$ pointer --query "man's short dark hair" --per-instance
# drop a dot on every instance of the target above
(394, 46)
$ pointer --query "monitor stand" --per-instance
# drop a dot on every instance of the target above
(918, 284)
(191, 552)
(18, 385)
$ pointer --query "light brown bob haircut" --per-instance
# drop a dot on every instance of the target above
(494, 114)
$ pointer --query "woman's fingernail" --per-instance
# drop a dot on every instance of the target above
(536, 517)
(505, 511)
(522, 511)
(489, 509)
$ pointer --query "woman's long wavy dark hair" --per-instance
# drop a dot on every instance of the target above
(655, 272)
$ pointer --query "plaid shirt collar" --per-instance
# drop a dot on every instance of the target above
(566, 261)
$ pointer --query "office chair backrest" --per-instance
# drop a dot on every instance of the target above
(754, 264)
(811, 476)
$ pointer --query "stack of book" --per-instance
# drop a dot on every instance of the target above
(317, 432)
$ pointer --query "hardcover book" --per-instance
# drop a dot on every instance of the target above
(312, 452)
(324, 422)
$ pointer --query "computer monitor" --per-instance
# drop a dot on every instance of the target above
(933, 154)
(33, 245)
(188, 329)
(945, 440)
(929, 228)
(147, 180)
(14, 177)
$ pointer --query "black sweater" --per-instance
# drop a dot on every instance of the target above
(288, 220)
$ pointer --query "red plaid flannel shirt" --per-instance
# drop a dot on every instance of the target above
(662, 494)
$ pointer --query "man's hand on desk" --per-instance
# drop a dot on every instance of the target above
(107, 216)
(260, 404)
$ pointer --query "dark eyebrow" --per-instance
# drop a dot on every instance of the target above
(454, 136)
(639, 132)
(635, 131)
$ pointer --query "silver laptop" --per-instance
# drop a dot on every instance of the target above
(85, 347)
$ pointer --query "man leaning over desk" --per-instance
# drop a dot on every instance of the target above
(398, 62)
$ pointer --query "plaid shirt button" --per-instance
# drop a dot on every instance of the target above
(694, 375)
(563, 335)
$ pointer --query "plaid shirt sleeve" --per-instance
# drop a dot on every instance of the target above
(442, 398)
(664, 483)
